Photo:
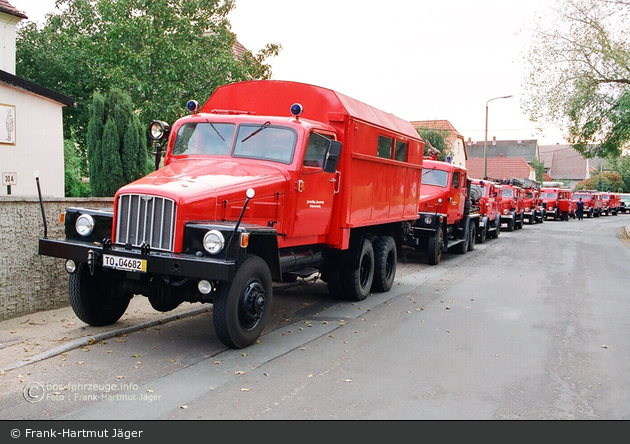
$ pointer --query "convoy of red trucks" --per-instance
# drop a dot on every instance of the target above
(267, 182)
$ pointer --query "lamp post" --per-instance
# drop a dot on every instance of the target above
(485, 144)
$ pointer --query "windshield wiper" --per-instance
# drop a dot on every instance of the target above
(262, 127)
(215, 129)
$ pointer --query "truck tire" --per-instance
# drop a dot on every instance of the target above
(92, 298)
(358, 278)
(434, 250)
(472, 236)
(385, 260)
(483, 235)
(510, 224)
(241, 308)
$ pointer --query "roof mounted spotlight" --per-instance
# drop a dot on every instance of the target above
(193, 106)
(297, 109)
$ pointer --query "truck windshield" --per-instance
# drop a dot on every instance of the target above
(275, 143)
(480, 189)
(204, 138)
(435, 177)
(548, 195)
(583, 196)
(508, 192)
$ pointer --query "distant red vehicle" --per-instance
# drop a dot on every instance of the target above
(487, 195)
(532, 204)
(512, 208)
(592, 202)
(554, 196)
(610, 203)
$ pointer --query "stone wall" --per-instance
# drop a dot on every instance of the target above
(30, 282)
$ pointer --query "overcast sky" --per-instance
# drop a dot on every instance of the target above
(416, 59)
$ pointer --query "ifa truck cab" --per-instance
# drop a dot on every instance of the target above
(532, 205)
(555, 196)
(486, 195)
(266, 182)
(610, 203)
(512, 205)
(592, 202)
(447, 220)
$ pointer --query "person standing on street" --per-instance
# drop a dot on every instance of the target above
(579, 211)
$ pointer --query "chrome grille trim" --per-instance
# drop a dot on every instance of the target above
(145, 218)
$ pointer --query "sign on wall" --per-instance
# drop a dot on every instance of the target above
(7, 124)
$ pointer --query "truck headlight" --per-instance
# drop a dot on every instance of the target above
(428, 219)
(84, 225)
(213, 241)
(159, 130)
(506, 211)
(550, 208)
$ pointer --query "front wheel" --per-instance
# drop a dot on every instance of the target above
(241, 308)
(385, 260)
(483, 234)
(93, 298)
(434, 250)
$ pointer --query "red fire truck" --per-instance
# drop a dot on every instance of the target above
(532, 204)
(555, 195)
(487, 196)
(592, 202)
(512, 206)
(266, 182)
(610, 203)
(447, 220)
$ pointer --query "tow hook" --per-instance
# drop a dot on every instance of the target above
(91, 262)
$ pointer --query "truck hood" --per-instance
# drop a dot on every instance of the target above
(429, 195)
(196, 180)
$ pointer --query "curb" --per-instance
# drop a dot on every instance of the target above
(88, 340)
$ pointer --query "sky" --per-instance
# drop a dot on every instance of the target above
(416, 59)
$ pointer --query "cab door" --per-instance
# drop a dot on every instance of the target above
(316, 189)
(455, 202)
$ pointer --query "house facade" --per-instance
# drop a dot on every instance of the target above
(31, 124)
(454, 140)
(564, 163)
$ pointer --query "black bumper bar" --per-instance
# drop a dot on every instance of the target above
(173, 264)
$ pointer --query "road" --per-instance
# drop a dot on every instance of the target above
(529, 326)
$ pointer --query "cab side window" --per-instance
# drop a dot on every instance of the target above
(385, 145)
(455, 180)
(316, 150)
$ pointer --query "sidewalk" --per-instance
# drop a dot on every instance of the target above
(37, 336)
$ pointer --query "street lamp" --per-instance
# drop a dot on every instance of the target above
(485, 144)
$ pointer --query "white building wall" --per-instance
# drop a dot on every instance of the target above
(7, 42)
(38, 143)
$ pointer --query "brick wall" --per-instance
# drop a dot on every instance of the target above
(30, 282)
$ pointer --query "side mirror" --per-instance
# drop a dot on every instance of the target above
(333, 154)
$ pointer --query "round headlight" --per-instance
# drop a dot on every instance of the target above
(84, 225)
(506, 211)
(158, 130)
(213, 241)
(428, 219)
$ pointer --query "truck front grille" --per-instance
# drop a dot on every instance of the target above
(144, 219)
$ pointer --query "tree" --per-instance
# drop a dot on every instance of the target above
(73, 173)
(606, 181)
(579, 75)
(161, 52)
(116, 149)
(437, 139)
(538, 166)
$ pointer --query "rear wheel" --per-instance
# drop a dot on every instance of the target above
(93, 297)
(483, 234)
(472, 236)
(241, 308)
(385, 260)
(358, 278)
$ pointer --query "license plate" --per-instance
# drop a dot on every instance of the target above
(124, 263)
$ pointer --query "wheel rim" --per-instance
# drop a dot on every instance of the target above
(252, 304)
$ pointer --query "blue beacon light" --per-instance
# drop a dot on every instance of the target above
(193, 106)
(297, 109)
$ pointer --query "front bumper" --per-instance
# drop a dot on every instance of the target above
(172, 264)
